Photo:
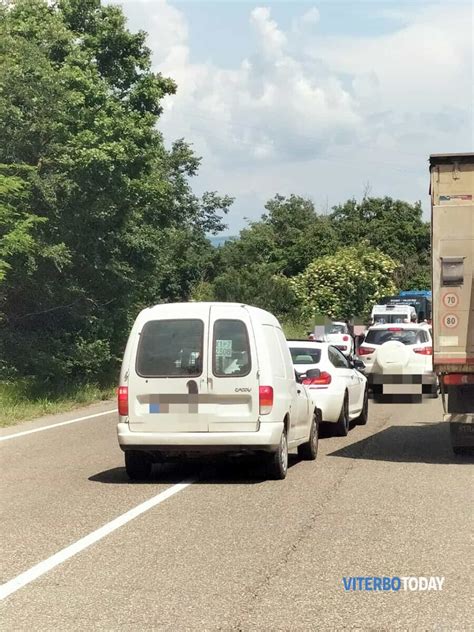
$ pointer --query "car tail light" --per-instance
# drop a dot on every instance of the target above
(265, 394)
(394, 329)
(341, 347)
(424, 350)
(365, 350)
(122, 400)
(323, 379)
(456, 379)
(345, 338)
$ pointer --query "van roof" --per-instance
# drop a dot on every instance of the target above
(191, 309)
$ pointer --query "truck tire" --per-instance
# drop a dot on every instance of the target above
(278, 461)
(309, 450)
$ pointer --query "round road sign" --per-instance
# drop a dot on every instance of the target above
(450, 321)
(450, 299)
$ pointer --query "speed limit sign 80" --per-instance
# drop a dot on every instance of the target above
(450, 321)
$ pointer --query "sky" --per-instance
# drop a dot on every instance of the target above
(328, 100)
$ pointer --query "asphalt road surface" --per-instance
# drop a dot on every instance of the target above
(231, 550)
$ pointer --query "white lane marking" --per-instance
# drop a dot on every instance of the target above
(62, 423)
(61, 556)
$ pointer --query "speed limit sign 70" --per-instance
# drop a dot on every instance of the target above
(450, 299)
(450, 321)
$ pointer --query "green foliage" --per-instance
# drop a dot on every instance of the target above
(97, 218)
(25, 399)
(258, 286)
(287, 238)
(347, 283)
(394, 227)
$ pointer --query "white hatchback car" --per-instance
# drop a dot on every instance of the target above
(398, 360)
(340, 388)
(338, 334)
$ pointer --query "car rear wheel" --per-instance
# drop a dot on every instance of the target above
(309, 450)
(278, 461)
(342, 426)
(363, 418)
(137, 465)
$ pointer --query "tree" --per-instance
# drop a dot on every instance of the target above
(103, 211)
(287, 238)
(257, 285)
(347, 283)
(394, 227)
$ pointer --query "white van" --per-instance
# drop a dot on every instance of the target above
(211, 377)
(393, 313)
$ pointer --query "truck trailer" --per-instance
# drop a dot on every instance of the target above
(452, 248)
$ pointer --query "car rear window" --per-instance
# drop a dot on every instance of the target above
(171, 348)
(231, 349)
(406, 336)
(305, 355)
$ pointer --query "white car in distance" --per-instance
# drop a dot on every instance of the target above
(398, 360)
(338, 334)
(339, 387)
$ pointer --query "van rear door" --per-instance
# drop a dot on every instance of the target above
(168, 372)
(232, 401)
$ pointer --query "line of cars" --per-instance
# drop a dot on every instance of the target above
(221, 378)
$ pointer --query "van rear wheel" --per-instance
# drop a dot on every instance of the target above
(137, 465)
(278, 461)
(309, 450)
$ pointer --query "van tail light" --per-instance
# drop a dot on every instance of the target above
(265, 394)
(424, 350)
(323, 379)
(457, 379)
(122, 400)
(365, 351)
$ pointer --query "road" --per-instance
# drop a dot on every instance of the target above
(232, 551)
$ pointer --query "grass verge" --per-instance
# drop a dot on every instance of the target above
(22, 400)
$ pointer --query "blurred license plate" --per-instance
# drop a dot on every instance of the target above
(402, 389)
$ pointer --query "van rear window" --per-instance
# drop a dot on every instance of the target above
(231, 349)
(171, 348)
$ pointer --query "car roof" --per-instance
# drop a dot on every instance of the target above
(295, 342)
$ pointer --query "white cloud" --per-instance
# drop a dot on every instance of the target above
(319, 115)
(271, 39)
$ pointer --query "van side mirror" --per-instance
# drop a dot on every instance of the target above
(358, 364)
(313, 373)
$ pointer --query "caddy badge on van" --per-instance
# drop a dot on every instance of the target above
(243, 390)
